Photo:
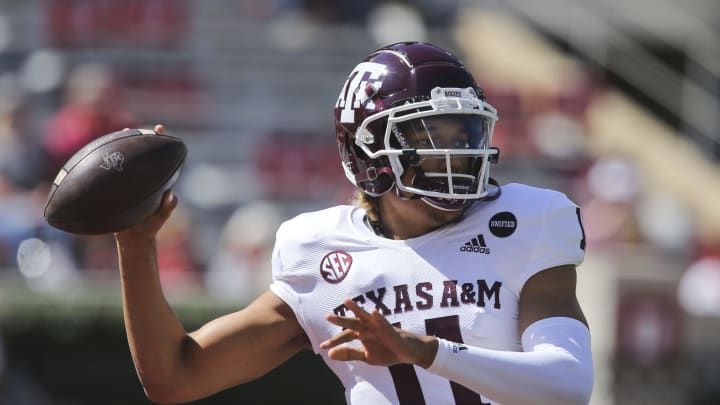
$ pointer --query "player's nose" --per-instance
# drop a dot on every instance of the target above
(457, 164)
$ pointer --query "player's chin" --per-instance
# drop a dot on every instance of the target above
(442, 213)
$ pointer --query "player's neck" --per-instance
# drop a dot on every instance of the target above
(406, 219)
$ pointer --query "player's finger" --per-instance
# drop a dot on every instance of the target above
(169, 202)
(346, 322)
(357, 310)
(157, 219)
(167, 205)
(378, 317)
(345, 353)
(348, 335)
(160, 128)
(154, 222)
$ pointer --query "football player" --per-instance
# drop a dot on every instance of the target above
(438, 286)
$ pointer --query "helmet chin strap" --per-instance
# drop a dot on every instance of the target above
(450, 205)
(444, 204)
(451, 208)
(491, 196)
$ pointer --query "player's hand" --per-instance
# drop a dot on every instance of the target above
(148, 229)
(382, 344)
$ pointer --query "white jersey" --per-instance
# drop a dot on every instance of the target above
(461, 282)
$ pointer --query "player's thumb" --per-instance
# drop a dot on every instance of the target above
(168, 204)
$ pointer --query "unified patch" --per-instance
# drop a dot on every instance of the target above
(503, 224)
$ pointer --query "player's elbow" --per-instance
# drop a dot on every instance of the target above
(165, 393)
(175, 388)
(578, 396)
(166, 388)
(170, 379)
(575, 387)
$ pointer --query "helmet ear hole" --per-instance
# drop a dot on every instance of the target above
(371, 175)
(383, 180)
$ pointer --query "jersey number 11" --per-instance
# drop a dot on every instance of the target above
(406, 381)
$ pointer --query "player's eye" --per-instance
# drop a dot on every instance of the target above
(460, 143)
(424, 143)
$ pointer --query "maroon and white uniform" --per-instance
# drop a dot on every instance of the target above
(461, 282)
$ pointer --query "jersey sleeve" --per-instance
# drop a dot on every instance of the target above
(282, 281)
(560, 240)
(289, 282)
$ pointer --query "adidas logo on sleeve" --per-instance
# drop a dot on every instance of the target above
(476, 245)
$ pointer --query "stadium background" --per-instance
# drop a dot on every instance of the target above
(615, 103)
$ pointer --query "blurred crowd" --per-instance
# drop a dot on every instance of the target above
(544, 137)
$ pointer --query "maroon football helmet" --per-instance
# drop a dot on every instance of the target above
(411, 116)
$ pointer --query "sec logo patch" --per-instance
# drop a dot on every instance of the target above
(335, 266)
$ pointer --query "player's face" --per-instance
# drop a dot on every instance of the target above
(441, 132)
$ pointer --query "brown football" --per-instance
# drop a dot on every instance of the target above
(114, 182)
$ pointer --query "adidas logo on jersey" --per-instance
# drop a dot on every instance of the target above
(476, 245)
